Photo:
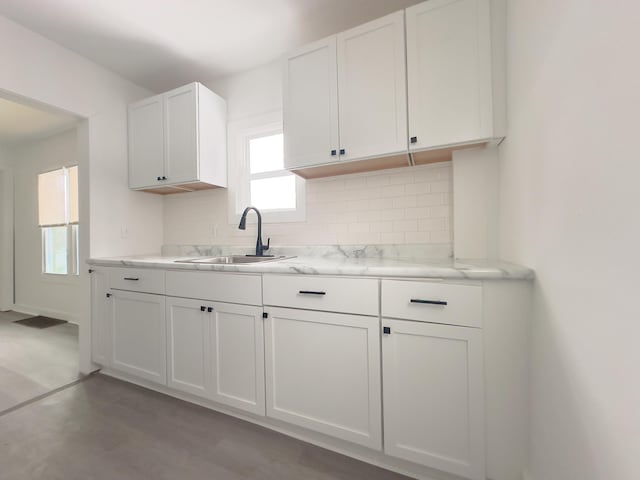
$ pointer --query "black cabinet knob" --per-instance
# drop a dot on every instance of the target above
(164, 178)
(333, 153)
(108, 295)
(386, 330)
(342, 151)
(203, 308)
(209, 309)
(414, 139)
(159, 178)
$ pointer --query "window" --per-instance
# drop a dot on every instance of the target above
(58, 220)
(257, 171)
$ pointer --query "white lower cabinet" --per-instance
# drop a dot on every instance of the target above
(188, 351)
(433, 396)
(323, 373)
(137, 334)
(237, 356)
(216, 350)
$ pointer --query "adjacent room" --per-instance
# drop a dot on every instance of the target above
(39, 243)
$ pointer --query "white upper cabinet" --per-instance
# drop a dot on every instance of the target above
(455, 79)
(177, 141)
(372, 89)
(345, 100)
(146, 142)
(311, 105)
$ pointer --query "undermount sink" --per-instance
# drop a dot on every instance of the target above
(233, 259)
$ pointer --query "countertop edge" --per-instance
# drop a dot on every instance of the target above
(466, 270)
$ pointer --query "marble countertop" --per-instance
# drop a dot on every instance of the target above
(331, 265)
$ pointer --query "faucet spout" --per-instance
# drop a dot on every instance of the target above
(260, 248)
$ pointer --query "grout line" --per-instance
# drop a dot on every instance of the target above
(47, 394)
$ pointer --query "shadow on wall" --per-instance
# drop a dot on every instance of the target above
(564, 410)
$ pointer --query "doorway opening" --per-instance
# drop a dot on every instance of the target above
(41, 307)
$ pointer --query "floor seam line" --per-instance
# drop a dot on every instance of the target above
(20, 405)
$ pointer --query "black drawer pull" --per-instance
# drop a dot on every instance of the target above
(428, 302)
(133, 279)
(311, 292)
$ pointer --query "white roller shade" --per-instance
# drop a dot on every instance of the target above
(73, 194)
(52, 198)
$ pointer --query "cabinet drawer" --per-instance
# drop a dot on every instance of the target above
(433, 302)
(216, 286)
(347, 295)
(137, 280)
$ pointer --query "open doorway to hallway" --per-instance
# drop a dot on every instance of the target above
(40, 289)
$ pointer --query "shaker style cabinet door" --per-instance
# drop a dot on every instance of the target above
(146, 142)
(138, 335)
(449, 72)
(181, 139)
(237, 356)
(323, 373)
(310, 94)
(188, 351)
(372, 89)
(433, 396)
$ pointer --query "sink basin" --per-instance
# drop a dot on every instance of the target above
(232, 259)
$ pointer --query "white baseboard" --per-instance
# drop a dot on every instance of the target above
(32, 310)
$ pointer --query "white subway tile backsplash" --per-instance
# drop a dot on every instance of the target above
(409, 205)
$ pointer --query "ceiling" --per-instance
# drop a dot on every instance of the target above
(163, 44)
(21, 123)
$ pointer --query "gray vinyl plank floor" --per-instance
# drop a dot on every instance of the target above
(105, 429)
(34, 361)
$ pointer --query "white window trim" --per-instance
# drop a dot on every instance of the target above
(239, 133)
(73, 248)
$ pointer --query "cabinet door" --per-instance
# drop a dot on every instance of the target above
(433, 396)
(323, 373)
(188, 347)
(146, 142)
(311, 105)
(237, 356)
(181, 138)
(449, 72)
(100, 306)
(372, 88)
(138, 335)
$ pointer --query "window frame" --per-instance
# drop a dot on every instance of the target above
(240, 133)
(73, 235)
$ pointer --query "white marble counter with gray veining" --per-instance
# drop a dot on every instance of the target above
(372, 261)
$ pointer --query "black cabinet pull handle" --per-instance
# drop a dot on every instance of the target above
(386, 330)
(428, 302)
(311, 292)
(109, 295)
(202, 308)
(334, 153)
(164, 178)
(209, 309)
(159, 178)
(91, 270)
(414, 139)
(342, 151)
(133, 279)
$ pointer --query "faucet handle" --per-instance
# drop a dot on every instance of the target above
(266, 247)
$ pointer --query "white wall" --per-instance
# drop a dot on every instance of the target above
(38, 69)
(36, 293)
(569, 203)
(402, 206)
(6, 229)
